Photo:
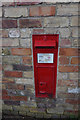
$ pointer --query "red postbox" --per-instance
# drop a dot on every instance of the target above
(45, 52)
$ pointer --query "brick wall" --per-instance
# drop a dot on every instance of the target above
(19, 22)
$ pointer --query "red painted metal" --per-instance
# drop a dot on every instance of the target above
(45, 74)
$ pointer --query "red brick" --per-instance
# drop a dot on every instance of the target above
(38, 31)
(75, 60)
(4, 92)
(63, 60)
(72, 101)
(8, 4)
(27, 60)
(15, 86)
(30, 23)
(9, 23)
(5, 97)
(67, 83)
(65, 42)
(42, 11)
(19, 98)
(21, 51)
(13, 74)
(69, 52)
(68, 68)
(25, 2)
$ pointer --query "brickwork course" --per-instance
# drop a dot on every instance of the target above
(20, 20)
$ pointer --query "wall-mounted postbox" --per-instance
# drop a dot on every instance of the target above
(45, 52)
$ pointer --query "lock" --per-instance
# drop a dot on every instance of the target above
(45, 53)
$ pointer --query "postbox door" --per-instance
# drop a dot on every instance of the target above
(45, 80)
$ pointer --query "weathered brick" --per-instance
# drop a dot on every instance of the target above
(67, 83)
(47, 115)
(10, 42)
(0, 55)
(8, 80)
(75, 32)
(75, 60)
(0, 69)
(73, 76)
(22, 67)
(74, 21)
(7, 67)
(25, 42)
(4, 33)
(3, 86)
(25, 32)
(70, 9)
(56, 22)
(5, 51)
(12, 92)
(0, 4)
(67, 95)
(19, 98)
(55, 110)
(62, 76)
(12, 103)
(0, 11)
(62, 88)
(0, 23)
(15, 86)
(72, 101)
(0, 33)
(14, 33)
(15, 12)
(63, 60)
(35, 110)
(30, 23)
(24, 81)
(76, 42)
(68, 52)
(65, 32)
(65, 43)
(23, 113)
(9, 23)
(27, 60)
(20, 108)
(6, 107)
(38, 31)
(39, 115)
(13, 74)
(28, 74)
(68, 68)
(42, 11)
(11, 59)
(21, 51)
